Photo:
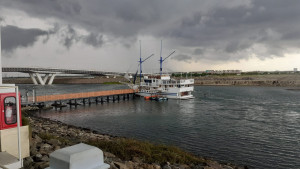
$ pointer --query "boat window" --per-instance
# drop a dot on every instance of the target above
(148, 81)
(10, 111)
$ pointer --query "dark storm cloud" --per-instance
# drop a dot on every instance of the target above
(14, 37)
(218, 30)
(182, 57)
(236, 31)
(69, 36)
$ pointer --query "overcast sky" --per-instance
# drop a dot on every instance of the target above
(104, 34)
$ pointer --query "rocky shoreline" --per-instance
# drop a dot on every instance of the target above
(48, 136)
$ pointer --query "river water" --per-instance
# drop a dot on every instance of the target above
(254, 126)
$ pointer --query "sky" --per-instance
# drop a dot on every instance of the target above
(247, 35)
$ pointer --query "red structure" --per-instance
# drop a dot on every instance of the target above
(8, 114)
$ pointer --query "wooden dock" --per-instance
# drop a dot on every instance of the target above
(97, 96)
(71, 96)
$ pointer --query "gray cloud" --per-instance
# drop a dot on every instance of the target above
(14, 37)
(219, 30)
(69, 36)
(182, 57)
(199, 51)
(94, 39)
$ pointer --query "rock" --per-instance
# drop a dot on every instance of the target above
(156, 166)
(33, 150)
(166, 167)
(41, 165)
(174, 167)
(226, 167)
(72, 134)
(38, 157)
(45, 158)
(129, 164)
(120, 165)
(214, 164)
(112, 166)
(54, 142)
(137, 160)
(199, 166)
(148, 166)
(184, 166)
(46, 128)
(56, 148)
(46, 147)
(109, 155)
(37, 139)
(27, 162)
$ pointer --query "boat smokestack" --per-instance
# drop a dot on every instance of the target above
(0, 56)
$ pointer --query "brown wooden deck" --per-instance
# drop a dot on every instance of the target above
(70, 96)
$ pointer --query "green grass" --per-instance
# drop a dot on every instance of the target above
(48, 136)
(25, 121)
(126, 149)
(111, 83)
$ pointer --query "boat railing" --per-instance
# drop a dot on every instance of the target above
(149, 84)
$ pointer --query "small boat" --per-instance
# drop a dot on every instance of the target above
(147, 97)
(160, 98)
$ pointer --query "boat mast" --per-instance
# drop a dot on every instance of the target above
(162, 60)
(141, 61)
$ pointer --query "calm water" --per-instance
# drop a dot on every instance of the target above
(254, 126)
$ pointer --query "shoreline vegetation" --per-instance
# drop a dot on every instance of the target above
(279, 80)
(119, 152)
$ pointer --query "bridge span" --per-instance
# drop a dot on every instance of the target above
(45, 76)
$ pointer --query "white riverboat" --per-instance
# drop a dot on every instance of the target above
(164, 85)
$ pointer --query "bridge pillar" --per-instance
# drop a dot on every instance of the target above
(41, 80)
(52, 76)
(33, 78)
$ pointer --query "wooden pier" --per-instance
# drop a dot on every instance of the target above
(86, 98)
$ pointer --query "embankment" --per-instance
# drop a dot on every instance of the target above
(120, 153)
(287, 80)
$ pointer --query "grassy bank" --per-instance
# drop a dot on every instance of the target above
(128, 149)
(111, 83)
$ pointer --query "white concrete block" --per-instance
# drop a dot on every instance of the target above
(9, 141)
(80, 156)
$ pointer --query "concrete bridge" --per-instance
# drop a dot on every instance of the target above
(45, 76)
